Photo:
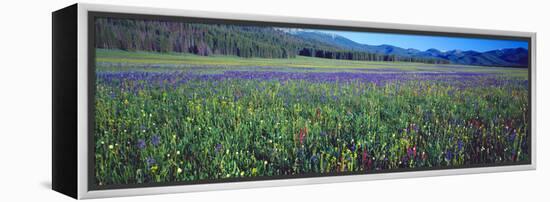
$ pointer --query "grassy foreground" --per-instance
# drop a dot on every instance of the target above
(186, 118)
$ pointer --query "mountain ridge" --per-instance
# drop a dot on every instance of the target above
(508, 57)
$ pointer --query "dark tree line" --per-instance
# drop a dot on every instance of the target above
(222, 39)
(359, 55)
(200, 39)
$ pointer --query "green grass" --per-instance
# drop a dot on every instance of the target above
(220, 60)
(183, 59)
(149, 128)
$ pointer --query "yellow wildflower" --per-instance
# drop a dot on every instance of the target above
(154, 168)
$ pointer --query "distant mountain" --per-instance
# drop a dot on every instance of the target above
(331, 39)
(513, 57)
(345, 43)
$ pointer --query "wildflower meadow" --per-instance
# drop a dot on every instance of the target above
(164, 117)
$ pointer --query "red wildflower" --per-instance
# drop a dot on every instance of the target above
(365, 156)
(303, 134)
(318, 113)
(369, 164)
(476, 123)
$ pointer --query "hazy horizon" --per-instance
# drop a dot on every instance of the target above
(425, 42)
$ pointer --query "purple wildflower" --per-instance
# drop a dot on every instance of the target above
(512, 136)
(141, 144)
(449, 155)
(352, 148)
(112, 95)
(142, 127)
(314, 159)
(155, 140)
(150, 161)
(218, 147)
(415, 127)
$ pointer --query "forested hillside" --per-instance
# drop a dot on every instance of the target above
(201, 39)
(225, 39)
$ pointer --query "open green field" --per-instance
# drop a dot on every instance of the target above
(188, 118)
(173, 61)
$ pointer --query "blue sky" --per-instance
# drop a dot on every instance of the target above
(423, 42)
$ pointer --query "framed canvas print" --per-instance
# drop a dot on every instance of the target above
(151, 101)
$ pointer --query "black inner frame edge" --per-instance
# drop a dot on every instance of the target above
(92, 15)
